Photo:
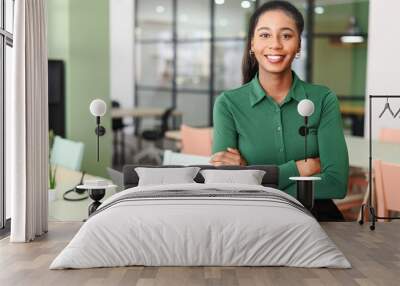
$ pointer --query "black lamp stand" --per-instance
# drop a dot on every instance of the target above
(305, 185)
(305, 190)
(305, 193)
(96, 195)
(100, 131)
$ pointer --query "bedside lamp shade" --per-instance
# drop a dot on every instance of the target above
(98, 107)
(305, 107)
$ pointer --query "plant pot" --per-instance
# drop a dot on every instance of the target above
(52, 195)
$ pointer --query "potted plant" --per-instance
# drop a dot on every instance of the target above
(52, 172)
(52, 183)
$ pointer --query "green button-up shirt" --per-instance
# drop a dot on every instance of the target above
(265, 132)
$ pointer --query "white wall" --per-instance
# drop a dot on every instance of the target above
(122, 51)
(383, 75)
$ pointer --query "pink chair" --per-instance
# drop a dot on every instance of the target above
(387, 187)
(196, 141)
(357, 179)
(390, 135)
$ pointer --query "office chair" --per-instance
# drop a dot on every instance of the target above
(358, 178)
(387, 188)
(196, 141)
(389, 135)
(67, 153)
(155, 137)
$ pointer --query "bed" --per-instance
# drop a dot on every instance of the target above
(197, 224)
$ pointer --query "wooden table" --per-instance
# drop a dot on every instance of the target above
(141, 112)
(347, 109)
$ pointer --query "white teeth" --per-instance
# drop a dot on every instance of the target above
(275, 57)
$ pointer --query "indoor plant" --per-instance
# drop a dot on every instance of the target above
(52, 172)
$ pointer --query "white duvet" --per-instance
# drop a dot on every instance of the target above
(200, 231)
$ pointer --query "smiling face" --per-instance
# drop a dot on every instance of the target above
(275, 42)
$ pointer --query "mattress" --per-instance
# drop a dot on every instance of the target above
(201, 225)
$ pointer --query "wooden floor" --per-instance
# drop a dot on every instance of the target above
(375, 257)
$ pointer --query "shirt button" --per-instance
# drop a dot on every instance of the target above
(279, 128)
(281, 149)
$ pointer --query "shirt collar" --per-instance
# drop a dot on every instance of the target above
(296, 91)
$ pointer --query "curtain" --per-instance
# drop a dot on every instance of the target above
(27, 123)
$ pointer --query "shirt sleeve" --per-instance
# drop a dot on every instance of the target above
(287, 170)
(225, 134)
(332, 151)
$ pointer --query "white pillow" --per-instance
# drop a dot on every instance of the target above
(163, 176)
(248, 177)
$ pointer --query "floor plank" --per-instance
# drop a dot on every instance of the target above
(374, 255)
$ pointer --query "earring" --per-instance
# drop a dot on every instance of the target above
(297, 56)
(251, 53)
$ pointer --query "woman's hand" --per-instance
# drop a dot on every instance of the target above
(230, 157)
(309, 168)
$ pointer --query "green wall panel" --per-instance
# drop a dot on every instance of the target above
(78, 33)
(341, 67)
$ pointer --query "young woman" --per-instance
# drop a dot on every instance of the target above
(258, 123)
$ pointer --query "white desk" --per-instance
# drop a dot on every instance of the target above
(62, 210)
(358, 148)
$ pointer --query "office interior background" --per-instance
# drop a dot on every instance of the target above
(183, 54)
(180, 54)
(190, 51)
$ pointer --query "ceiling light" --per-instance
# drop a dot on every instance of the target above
(219, 2)
(319, 10)
(352, 39)
(245, 4)
(353, 32)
